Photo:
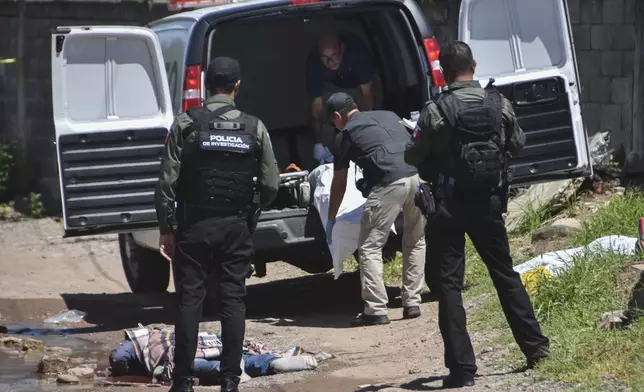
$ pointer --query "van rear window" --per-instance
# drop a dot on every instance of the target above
(174, 41)
(538, 44)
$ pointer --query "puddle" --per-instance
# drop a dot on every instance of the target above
(18, 372)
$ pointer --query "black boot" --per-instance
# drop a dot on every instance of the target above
(411, 312)
(182, 384)
(365, 320)
(230, 385)
(454, 380)
(541, 354)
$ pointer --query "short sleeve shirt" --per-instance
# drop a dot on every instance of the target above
(357, 67)
(343, 151)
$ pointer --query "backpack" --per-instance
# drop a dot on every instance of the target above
(477, 141)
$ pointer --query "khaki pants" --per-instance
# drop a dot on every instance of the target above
(381, 210)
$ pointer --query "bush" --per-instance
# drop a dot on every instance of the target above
(8, 157)
(35, 207)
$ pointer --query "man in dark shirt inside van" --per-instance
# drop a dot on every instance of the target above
(341, 62)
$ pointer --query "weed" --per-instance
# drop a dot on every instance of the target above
(8, 153)
(569, 306)
(35, 207)
(534, 218)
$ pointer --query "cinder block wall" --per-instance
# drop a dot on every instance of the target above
(604, 32)
(604, 36)
(40, 172)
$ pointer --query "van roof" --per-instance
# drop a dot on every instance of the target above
(199, 13)
(231, 7)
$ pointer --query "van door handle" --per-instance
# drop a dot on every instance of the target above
(536, 93)
(536, 101)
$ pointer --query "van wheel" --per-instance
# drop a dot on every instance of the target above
(146, 271)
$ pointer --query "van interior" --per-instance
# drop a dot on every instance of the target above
(272, 50)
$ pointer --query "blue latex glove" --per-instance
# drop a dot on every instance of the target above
(329, 230)
(319, 151)
(322, 154)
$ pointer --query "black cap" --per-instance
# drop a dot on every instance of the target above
(222, 71)
(340, 102)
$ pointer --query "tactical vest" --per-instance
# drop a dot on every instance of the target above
(218, 165)
(477, 154)
(381, 138)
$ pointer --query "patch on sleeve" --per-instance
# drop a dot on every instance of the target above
(225, 141)
(417, 133)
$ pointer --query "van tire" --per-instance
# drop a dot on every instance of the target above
(146, 271)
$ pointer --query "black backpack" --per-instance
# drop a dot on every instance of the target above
(477, 141)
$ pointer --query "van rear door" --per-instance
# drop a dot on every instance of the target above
(112, 112)
(527, 46)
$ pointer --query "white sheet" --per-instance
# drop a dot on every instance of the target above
(346, 231)
(560, 261)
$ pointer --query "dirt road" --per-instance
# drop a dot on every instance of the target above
(43, 274)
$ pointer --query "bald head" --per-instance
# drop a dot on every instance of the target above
(330, 50)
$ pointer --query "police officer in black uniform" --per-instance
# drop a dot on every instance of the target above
(211, 157)
(463, 145)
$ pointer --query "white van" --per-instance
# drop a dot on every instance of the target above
(116, 90)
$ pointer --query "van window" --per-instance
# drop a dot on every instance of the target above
(507, 39)
(173, 38)
(129, 66)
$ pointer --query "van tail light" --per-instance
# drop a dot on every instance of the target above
(432, 49)
(192, 87)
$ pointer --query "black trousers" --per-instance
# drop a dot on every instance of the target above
(481, 219)
(223, 247)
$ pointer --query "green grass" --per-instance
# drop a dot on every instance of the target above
(534, 218)
(569, 306)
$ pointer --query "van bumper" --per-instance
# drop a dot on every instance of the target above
(284, 228)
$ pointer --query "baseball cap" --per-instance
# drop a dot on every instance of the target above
(340, 102)
(223, 71)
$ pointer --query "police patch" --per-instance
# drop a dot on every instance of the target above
(225, 141)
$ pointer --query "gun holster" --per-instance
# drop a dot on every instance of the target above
(363, 186)
(424, 200)
(253, 214)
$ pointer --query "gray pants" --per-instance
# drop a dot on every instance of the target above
(383, 206)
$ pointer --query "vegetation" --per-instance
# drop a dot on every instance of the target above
(32, 204)
(569, 308)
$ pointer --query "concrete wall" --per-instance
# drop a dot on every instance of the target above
(604, 32)
(604, 35)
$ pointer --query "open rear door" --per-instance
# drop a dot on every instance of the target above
(527, 46)
(112, 112)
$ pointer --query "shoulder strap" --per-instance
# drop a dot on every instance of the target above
(494, 98)
(251, 123)
(444, 103)
(201, 115)
(223, 110)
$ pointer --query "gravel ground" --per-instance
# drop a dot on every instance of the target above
(43, 274)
